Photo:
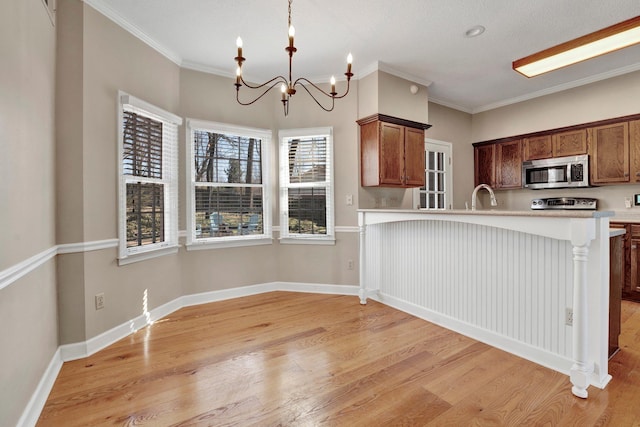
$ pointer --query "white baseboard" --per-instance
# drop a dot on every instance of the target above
(39, 397)
(74, 351)
(503, 342)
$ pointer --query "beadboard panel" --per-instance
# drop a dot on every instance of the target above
(477, 274)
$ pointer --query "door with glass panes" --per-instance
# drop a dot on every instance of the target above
(437, 192)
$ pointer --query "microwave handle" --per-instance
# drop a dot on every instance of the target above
(569, 173)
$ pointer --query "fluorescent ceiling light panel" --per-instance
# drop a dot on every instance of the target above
(618, 36)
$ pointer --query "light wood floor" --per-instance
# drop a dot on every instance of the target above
(294, 359)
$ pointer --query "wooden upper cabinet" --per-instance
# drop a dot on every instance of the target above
(571, 143)
(485, 164)
(391, 152)
(537, 147)
(609, 153)
(634, 148)
(509, 164)
(414, 157)
(613, 146)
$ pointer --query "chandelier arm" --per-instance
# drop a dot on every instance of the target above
(302, 79)
(261, 95)
(284, 80)
(314, 98)
(346, 93)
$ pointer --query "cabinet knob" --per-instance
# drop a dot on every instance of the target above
(634, 246)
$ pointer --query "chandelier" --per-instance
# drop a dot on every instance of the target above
(288, 86)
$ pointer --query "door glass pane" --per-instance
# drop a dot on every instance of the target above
(433, 194)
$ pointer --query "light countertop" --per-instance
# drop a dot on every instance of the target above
(488, 212)
(613, 232)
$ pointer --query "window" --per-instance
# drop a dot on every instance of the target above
(148, 188)
(227, 188)
(437, 192)
(306, 186)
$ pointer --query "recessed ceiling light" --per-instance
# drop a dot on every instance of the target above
(474, 31)
(615, 37)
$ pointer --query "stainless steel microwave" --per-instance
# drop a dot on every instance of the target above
(559, 172)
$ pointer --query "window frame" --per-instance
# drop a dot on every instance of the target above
(127, 255)
(265, 135)
(284, 136)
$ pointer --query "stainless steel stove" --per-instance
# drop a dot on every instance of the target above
(565, 203)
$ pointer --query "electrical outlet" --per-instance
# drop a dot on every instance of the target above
(100, 301)
(350, 264)
(568, 316)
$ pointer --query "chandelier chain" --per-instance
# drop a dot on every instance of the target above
(290, 1)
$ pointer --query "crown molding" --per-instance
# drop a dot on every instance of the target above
(381, 66)
(559, 88)
(448, 104)
(110, 13)
(195, 66)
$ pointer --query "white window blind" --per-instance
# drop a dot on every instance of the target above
(148, 189)
(306, 181)
(228, 188)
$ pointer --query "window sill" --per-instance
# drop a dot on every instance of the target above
(228, 243)
(143, 256)
(308, 240)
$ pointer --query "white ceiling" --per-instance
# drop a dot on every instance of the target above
(421, 40)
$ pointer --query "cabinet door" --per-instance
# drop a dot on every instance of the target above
(537, 147)
(369, 154)
(485, 160)
(634, 146)
(610, 153)
(616, 276)
(632, 290)
(391, 154)
(414, 157)
(572, 143)
(509, 164)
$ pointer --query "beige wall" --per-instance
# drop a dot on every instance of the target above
(614, 97)
(368, 95)
(383, 93)
(95, 59)
(27, 77)
(606, 99)
(327, 264)
(91, 71)
(395, 98)
(454, 126)
(113, 60)
(28, 331)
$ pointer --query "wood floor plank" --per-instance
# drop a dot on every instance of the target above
(295, 359)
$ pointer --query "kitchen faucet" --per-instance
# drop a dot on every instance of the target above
(474, 196)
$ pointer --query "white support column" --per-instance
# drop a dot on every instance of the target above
(582, 368)
(582, 232)
(363, 257)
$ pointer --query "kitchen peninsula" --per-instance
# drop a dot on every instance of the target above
(535, 284)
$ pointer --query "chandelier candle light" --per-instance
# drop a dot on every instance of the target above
(288, 86)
